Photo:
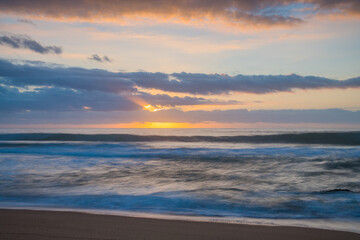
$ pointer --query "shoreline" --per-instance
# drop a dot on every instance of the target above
(45, 224)
(322, 224)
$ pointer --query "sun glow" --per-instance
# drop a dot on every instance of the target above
(151, 125)
(154, 108)
(149, 108)
(165, 125)
(169, 125)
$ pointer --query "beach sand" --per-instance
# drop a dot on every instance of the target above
(39, 225)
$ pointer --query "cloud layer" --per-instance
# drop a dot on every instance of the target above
(24, 75)
(30, 74)
(223, 83)
(55, 99)
(37, 92)
(256, 116)
(321, 116)
(37, 86)
(61, 100)
(238, 12)
(25, 42)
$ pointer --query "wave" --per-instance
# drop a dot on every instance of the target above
(303, 206)
(332, 138)
(337, 190)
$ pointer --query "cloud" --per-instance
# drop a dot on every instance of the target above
(61, 100)
(344, 6)
(36, 92)
(256, 116)
(315, 116)
(26, 21)
(58, 99)
(46, 88)
(97, 58)
(222, 83)
(236, 13)
(41, 74)
(20, 41)
(232, 12)
(166, 100)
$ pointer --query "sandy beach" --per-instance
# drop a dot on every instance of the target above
(31, 224)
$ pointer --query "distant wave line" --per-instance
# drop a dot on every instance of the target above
(333, 138)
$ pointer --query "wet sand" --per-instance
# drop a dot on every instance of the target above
(39, 225)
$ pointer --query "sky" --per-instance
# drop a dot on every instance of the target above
(179, 63)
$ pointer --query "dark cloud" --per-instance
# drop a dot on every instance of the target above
(26, 21)
(55, 99)
(46, 88)
(31, 90)
(74, 78)
(20, 41)
(222, 83)
(97, 58)
(166, 100)
(344, 6)
(39, 74)
(61, 99)
(106, 59)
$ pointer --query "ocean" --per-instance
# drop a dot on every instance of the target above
(307, 177)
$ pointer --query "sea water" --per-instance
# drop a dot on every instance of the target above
(275, 176)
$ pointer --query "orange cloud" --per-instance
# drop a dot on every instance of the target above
(235, 13)
(240, 14)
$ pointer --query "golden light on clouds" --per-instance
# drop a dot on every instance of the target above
(154, 108)
(150, 108)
